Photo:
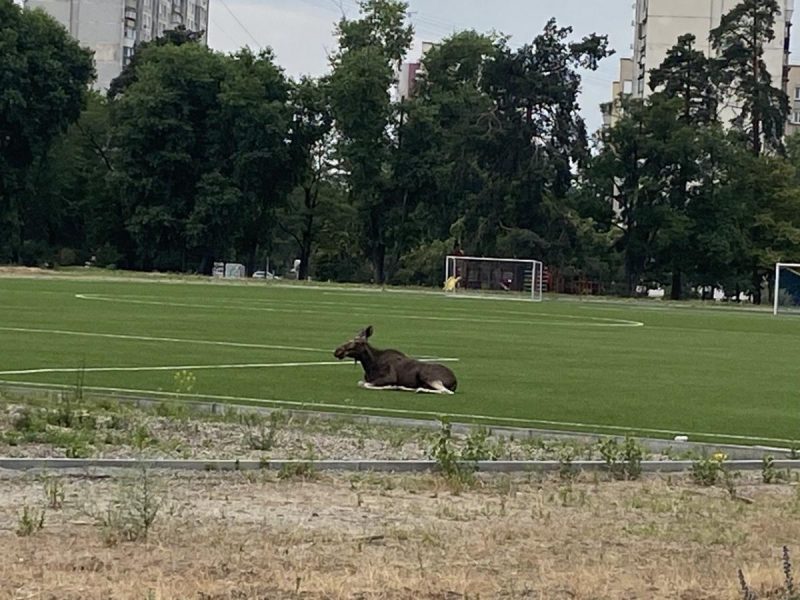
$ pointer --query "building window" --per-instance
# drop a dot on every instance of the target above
(127, 53)
(796, 117)
(797, 93)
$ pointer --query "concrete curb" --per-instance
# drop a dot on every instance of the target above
(655, 445)
(390, 466)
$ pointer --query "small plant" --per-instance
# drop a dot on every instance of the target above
(77, 448)
(54, 492)
(769, 474)
(30, 521)
(707, 471)
(262, 437)
(566, 470)
(624, 460)
(141, 437)
(297, 470)
(448, 460)
(184, 381)
(132, 515)
(477, 446)
(785, 592)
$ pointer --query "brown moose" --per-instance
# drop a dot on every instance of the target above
(393, 370)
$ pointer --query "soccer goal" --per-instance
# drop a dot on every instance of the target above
(507, 276)
(786, 293)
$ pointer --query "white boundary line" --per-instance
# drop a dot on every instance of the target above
(193, 367)
(578, 320)
(433, 414)
(168, 368)
(146, 338)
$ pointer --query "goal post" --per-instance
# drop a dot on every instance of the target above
(786, 290)
(507, 276)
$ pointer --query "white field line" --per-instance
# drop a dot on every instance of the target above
(168, 368)
(145, 338)
(310, 405)
(192, 367)
(579, 321)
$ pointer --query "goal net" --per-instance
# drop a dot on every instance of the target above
(786, 295)
(506, 276)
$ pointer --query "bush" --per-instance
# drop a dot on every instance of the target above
(66, 257)
(107, 256)
(35, 253)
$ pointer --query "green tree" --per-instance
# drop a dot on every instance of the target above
(171, 37)
(66, 204)
(43, 78)
(312, 144)
(686, 73)
(202, 159)
(740, 40)
(534, 140)
(371, 47)
(684, 80)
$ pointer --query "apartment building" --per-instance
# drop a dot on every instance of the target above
(112, 28)
(657, 25)
(408, 72)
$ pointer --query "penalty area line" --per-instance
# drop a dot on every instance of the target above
(191, 367)
(350, 408)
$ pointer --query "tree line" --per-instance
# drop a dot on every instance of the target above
(195, 156)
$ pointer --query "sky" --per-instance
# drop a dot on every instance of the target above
(301, 32)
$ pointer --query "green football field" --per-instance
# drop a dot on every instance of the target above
(650, 368)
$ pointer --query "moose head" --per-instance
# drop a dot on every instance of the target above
(355, 348)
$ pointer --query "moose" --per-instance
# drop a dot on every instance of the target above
(392, 370)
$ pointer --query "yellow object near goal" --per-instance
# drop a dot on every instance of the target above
(451, 283)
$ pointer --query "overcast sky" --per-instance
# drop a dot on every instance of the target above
(301, 32)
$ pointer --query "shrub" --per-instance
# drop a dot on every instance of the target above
(708, 470)
(623, 460)
(30, 521)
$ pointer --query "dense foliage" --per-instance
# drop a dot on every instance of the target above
(197, 156)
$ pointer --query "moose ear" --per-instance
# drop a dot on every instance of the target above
(368, 331)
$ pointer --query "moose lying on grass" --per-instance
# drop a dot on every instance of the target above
(393, 370)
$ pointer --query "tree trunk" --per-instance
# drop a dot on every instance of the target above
(378, 263)
(677, 286)
(756, 287)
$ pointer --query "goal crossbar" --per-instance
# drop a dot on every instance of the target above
(776, 290)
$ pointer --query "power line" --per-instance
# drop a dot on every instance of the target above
(222, 31)
(247, 31)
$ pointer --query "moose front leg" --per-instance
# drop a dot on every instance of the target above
(384, 381)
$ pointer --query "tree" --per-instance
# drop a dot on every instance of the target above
(533, 140)
(312, 143)
(686, 73)
(66, 203)
(43, 78)
(171, 37)
(203, 160)
(363, 72)
(739, 40)
(684, 79)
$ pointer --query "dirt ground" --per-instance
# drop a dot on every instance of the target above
(369, 536)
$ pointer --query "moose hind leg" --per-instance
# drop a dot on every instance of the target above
(435, 387)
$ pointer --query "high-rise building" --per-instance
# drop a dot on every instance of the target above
(657, 26)
(408, 72)
(112, 28)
